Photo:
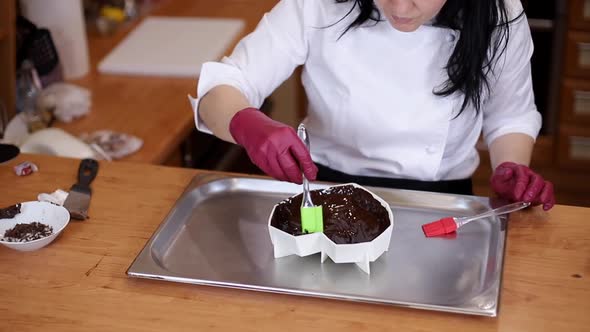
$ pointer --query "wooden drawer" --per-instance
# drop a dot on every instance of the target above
(575, 102)
(577, 54)
(573, 148)
(579, 14)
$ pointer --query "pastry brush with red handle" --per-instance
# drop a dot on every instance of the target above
(451, 224)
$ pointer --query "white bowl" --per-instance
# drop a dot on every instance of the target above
(285, 244)
(46, 213)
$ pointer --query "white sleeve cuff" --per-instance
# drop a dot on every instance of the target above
(530, 130)
(214, 74)
(198, 122)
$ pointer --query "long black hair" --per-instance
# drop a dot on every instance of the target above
(484, 33)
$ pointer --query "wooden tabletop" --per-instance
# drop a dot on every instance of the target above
(155, 109)
(78, 283)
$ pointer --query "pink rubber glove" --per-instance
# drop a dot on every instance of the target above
(272, 146)
(519, 183)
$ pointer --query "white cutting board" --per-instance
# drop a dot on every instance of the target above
(171, 46)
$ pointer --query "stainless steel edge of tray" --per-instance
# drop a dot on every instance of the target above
(216, 234)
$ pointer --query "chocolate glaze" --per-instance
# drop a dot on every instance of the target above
(351, 215)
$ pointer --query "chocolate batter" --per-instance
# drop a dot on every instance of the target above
(351, 215)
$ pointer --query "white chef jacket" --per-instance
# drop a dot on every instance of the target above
(372, 110)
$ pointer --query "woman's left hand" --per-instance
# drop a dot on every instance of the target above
(519, 183)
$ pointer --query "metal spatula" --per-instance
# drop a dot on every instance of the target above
(78, 199)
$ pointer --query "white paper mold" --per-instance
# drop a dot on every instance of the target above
(361, 254)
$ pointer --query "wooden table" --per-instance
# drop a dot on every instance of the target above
(153, 108)
(78, 283)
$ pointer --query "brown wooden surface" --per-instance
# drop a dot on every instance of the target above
(78, 283)
(568, 99)
(571, 177)
(566, 160)
(577, 20)
(7, 55)
(573, 67)
(154, 109)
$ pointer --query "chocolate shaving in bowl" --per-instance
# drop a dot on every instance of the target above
(10, 212)
(27, 232)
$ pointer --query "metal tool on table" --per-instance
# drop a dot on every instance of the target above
(78, 199)
(312, 220)
(451, 224)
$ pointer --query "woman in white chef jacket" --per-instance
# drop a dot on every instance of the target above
(399, 92)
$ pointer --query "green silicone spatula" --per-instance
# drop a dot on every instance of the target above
(312, 219)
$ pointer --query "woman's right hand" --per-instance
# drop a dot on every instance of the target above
(273, 146)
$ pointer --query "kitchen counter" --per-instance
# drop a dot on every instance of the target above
(155, 109)
(78, 283)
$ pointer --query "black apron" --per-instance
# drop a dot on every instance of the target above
(461, 187)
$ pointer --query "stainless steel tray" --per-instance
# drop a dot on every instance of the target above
(217, 235)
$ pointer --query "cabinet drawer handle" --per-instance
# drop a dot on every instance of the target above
(584, 54)
(579, 148)
(581, 102)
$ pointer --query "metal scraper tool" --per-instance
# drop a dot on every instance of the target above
(78, 199)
